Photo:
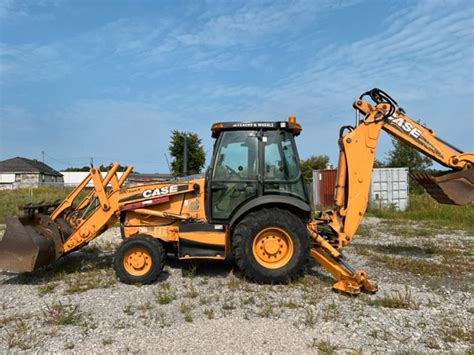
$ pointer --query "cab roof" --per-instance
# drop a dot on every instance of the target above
(290, 126)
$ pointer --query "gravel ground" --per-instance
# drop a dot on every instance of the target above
(424, 303)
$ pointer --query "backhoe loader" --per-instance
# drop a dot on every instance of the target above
(251, 204)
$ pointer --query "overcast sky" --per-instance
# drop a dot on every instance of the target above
(110, 79)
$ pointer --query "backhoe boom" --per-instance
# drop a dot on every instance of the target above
(356, 159)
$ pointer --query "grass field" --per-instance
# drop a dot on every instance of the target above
(10, 200)
(424, 208)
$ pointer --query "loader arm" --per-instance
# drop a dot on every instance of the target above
(40, 237)
(336, 228)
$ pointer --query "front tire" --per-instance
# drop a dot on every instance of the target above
(139, 259)
(271, 245)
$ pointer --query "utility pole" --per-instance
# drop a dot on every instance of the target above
(185, 155)
(42, 156)
(92, 162)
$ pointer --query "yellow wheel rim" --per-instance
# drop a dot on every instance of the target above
(272, 248)
(137, 261)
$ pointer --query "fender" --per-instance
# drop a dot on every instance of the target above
(278, 200)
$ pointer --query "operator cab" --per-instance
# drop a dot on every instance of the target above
(250, 160)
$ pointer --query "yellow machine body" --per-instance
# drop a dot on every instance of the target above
(269, 232)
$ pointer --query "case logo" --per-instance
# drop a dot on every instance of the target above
(160, 191)
(405, 126)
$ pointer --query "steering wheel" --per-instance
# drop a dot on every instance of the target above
(232, 172)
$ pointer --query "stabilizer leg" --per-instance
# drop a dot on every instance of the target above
(348, 281)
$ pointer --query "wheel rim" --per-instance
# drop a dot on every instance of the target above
(272, 248)
(137, 261)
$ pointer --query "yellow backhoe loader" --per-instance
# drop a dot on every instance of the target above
(251, 204)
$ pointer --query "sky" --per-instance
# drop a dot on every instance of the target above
(110, 79)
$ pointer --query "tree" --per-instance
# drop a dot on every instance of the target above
(196, 155)
(101, 168)
(84, 168)
(403, 155)
(314, 162)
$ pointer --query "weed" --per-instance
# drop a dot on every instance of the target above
(165, 295)
(190, 272)
(324, 346)
(396, 300)
(47, 288)
(234, 284)
(310, 319)
(453, 330)
(185, 308)
(19, 336)
(192, 292)
(161, 317)
(204, 300)
(164, 298)
(266, 311)
(62, 314)
(107, 341)
(374, 333)
(331, 312)
(290, 304)
(129, 310)
(209, 313)
(247, 301)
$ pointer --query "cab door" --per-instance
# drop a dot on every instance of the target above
(234, 175)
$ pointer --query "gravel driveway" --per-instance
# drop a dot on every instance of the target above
(424, 303)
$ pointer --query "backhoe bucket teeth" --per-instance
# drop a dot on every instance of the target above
(454, 188)
(29, 243)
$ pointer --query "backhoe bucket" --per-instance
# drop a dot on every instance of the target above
(29, 243)
(454, 188)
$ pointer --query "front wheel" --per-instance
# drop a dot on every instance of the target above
(139, 259)
(271, 245)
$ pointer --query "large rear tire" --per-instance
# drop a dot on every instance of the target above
(271, 245)
(139, 259)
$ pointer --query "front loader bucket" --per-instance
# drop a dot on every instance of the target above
(29, 243)
(454, 188)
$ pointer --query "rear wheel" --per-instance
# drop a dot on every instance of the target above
(271, 245)
(139, 259)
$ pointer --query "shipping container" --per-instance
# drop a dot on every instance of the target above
(388, 188)
(324, 183)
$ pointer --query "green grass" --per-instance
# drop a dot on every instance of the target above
(424, 208)
(10, 200)
(62, 314)
(397, 299)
